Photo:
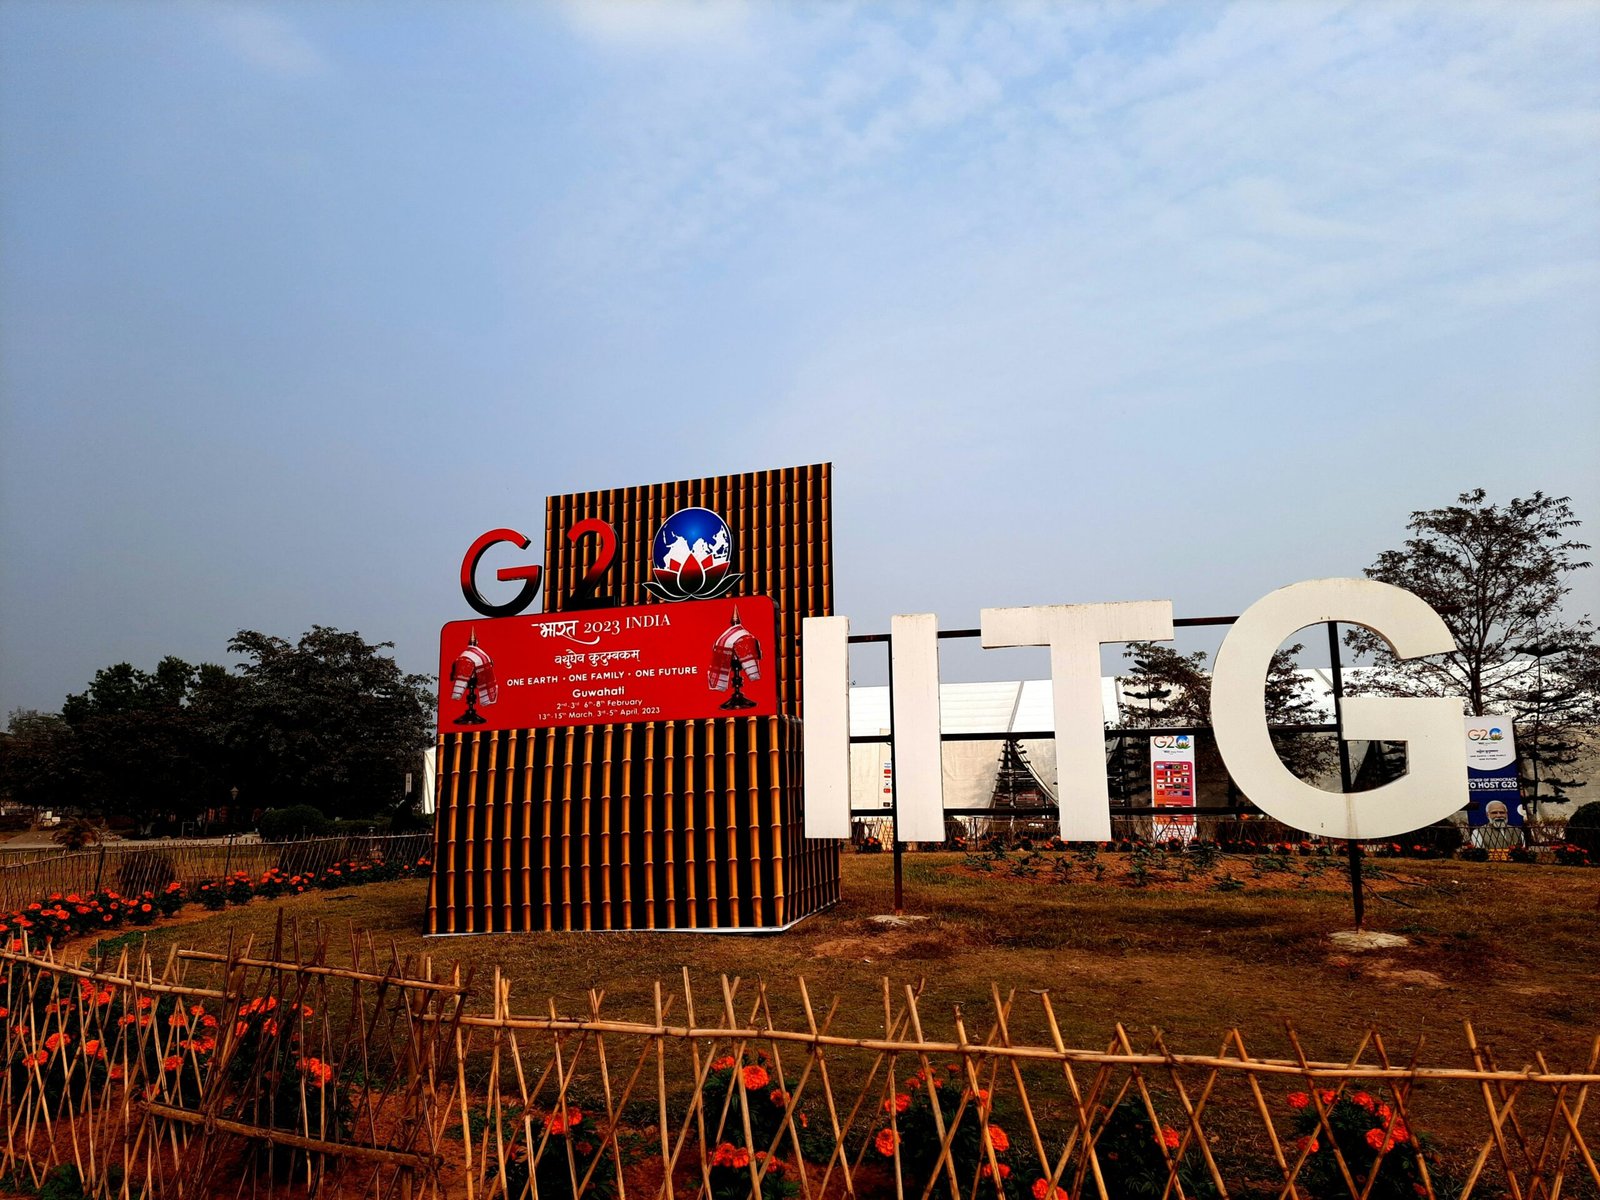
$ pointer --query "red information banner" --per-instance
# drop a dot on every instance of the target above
(666, 662)
(1172, 784)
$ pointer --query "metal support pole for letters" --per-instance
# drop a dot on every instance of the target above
(1352, 847)
(894, 799)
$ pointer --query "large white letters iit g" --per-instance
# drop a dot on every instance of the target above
(1074, 633)
(1432, 788)
(1436, 770)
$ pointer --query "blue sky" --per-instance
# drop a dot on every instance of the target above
(1084, 302)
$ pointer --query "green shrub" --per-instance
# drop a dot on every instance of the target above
(910, 1127)
(171, 898)
(1366, 1130)
(1583, 828)
(282, 824)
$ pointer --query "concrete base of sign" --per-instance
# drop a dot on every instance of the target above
(896, 920)
(1366, 939)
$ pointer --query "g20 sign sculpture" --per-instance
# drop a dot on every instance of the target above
(629, 757)
(1432, 787)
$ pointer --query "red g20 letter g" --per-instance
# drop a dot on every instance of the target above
(469, 571)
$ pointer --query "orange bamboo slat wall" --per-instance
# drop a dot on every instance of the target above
(657, 825)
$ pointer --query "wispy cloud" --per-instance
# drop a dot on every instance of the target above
(268, 40)
(644, 24)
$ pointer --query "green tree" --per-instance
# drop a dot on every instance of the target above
(145, 749)
(1499, 576)
(329, 721)
(40, 760)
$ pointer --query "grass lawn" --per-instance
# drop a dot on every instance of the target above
(1513, 948)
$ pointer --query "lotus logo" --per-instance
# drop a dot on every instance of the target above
(690, 557)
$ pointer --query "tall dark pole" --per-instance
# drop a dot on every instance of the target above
(1352, 847)
(894, 797)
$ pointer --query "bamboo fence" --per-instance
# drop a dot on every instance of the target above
(134, 867)
(217, 1072)
(387, 1077)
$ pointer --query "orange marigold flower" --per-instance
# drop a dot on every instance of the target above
(899, 1102)
(1385, 1113)
(557, 1126)
(316, 1070)
(92, 1048)
(886, 1141)
(1044, 1190)
(176, 1019)
(144, 1003)
(1308, 1145)
(723, 1063)
(984, 1172)
(57, 1040)
(116, 1071)
(755, 1078)
(1169, 1137)
(999, 1139)
(1400, 1134)
(778, 1097)
(171, 1063)
(1298, 1100)
(1327, 1095)
(1364, 1099)
(741, 1157)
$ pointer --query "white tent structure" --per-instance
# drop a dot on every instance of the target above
(971, 768)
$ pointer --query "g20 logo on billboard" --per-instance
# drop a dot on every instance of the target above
(690, 559)
(1486, 735)
(1172, 741)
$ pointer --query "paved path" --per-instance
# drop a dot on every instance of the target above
(44, 839)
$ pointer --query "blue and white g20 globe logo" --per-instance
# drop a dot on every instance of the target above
(690, 557)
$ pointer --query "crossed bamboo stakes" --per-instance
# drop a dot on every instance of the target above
(441, 1100)
(1536, 1164)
